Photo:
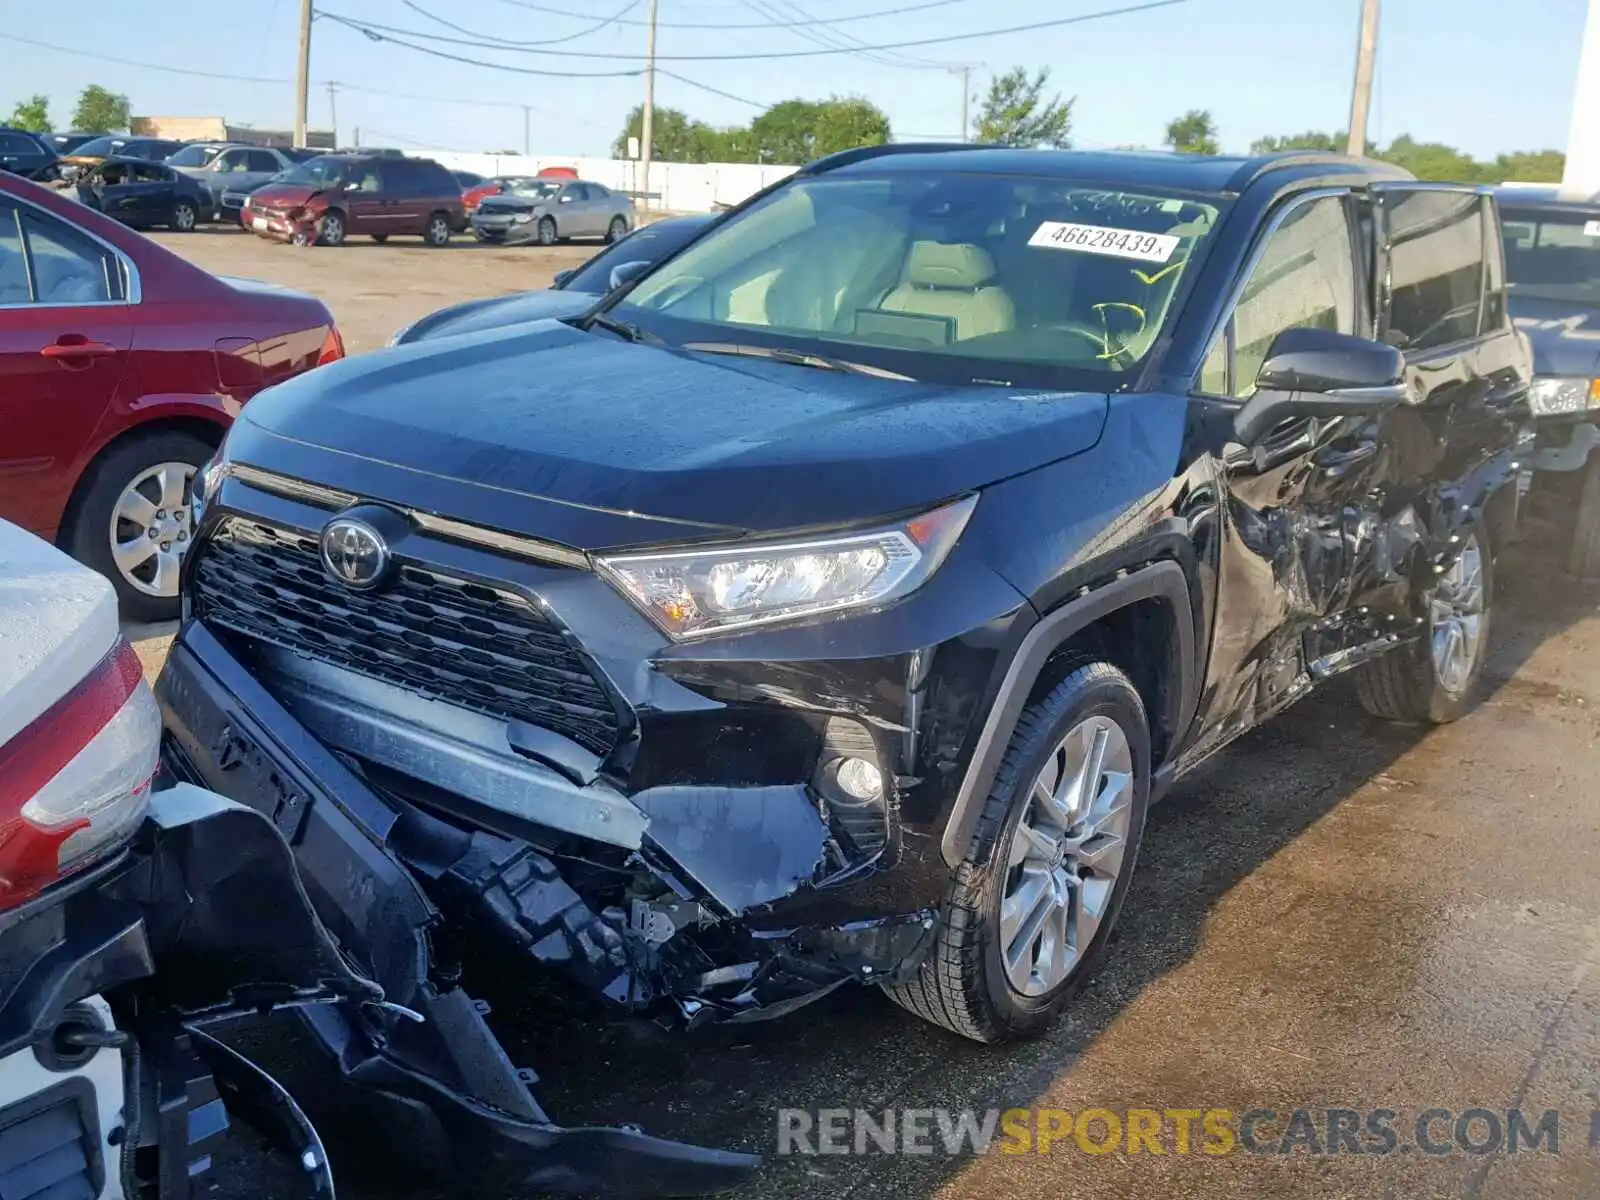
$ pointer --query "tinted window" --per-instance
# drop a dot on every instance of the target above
(16, 143)
(261, 160)
(948, 276)
(13, 268)
(596, 192)
(144, 172)
(1435, 267)
(650, 244)
(1552, 255)
(467, 179)
(68, 268)
(430, 179)
(194, 156)
(1304, 279)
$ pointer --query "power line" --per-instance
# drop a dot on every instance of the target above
(374, 35)
(823, 33)
(378, 32)
(133, 62)
(706, 87)
(604, 23)
(775, 24)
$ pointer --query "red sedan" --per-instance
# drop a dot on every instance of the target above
(121, 366)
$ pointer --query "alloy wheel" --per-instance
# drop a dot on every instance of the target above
(1066, 856)
(332, 231)
(438, 231)
(1456, 612)
(150, 528)
(184, 217)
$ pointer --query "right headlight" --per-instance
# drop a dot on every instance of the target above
(1555, 394)
(691, 593)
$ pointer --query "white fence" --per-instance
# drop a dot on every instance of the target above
(675, 187)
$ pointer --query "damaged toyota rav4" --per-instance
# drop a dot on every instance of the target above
(831, 602)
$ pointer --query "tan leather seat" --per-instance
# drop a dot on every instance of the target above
(952, 279)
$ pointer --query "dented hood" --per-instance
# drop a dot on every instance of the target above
(588, 422)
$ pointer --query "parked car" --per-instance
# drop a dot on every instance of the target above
(573, 291)
(550, 210)
(66, 143)
(26, 154)
(128, 912)
(830, 602)
(1552, 251)
(144, 194)
(120, 366)
(95, 151)
(473, 196)
(325, 200)
(223, 168)
(467, 179)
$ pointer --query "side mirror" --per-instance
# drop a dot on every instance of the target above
(562, 277)
(624, 273)
(1319, 373)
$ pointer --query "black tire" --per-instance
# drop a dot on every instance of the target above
(88, 525)
(185, 216)
(380, 238)
(436, 232)
(961, 985)
(1583, 558)
(618, 230)
(547, 231)
(1404, 686)
(332, 229)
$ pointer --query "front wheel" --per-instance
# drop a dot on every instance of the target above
(547, 231)
(437, 232)
(1032, 906)
(1583, 558)
(185, 216)
(618, 230)
(1431, 680)
(131, 522)
(331, 229)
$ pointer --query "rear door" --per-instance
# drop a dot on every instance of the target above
(368, 204)
(574, 213)
(66, 328)
(157, 189)
(20, 154)
(115, 191)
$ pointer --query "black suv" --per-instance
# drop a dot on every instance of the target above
(26, 154)
(832, 602)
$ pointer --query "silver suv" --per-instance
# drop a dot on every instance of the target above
(219, 167)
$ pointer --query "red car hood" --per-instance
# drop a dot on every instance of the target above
(281, 195)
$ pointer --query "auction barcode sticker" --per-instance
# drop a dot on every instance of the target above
(1103, 239)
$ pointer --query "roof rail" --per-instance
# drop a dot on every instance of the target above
(1258, 165)
(845, 158)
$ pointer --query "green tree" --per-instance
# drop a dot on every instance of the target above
(1529, 166)
(845, 122)
(1311, 140)
(787, 132)
(1433, 161)
(1193, 133)
(100, 111)
(1015, 112)
(32, 114)
(672, 135)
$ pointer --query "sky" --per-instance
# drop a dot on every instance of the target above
(1478, 74)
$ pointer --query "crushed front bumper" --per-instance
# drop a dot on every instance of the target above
(439, 1079)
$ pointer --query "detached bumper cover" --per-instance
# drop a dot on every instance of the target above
(443, 1083)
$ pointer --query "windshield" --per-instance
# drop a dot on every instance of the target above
(532, 189)
(194, 156)
(650, 244)
(101, 146)
(1552, 255)
(319, 173)
(950, 277)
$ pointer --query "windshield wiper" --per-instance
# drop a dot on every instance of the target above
(625, 331)
(795, 358)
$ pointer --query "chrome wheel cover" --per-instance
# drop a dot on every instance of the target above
(1456, 614)
(150, 528)
(1066, 856)
(439, 230)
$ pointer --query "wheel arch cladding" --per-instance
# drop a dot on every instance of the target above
(1142, 623)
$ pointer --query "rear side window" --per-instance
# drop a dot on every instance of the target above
(1436, 267)
(16, 143)
(68, 267)
(430, 179)
(261, 160)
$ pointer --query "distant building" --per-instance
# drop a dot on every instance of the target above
(216, 129)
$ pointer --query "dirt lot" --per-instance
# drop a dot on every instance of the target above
(1336, 913)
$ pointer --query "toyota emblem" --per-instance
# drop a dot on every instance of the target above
(354, 552)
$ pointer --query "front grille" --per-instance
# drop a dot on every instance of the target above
(447, 638)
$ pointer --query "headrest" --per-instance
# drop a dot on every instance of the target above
(948, 265)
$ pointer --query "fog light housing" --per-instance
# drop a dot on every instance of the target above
(859, 779)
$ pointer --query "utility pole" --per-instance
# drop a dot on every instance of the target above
(966, 95)
(647, 118)
(1581, 177)
(333, 111)
(357, 142)
(302, 83)
(527, 140)
(1361, 94)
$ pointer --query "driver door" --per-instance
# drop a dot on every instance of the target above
(1294, 502)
